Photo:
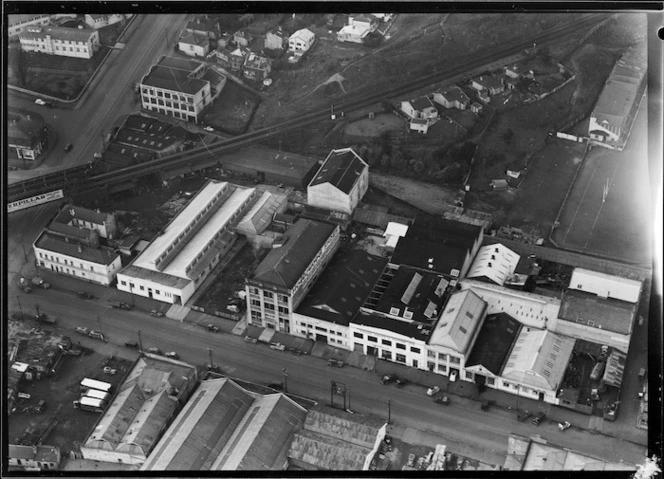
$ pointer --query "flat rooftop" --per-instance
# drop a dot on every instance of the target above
(609, 314)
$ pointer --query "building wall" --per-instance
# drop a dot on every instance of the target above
(86, 270)
(53, 46)
(336, 335)
(107, 229)
(592, 334)
(160, 292)
(176, 104)
(265, 300)
(522, 390)
(330, 197)
(28, 152)
(387, 345)
(32, 465)
(298, 45)
(194, 50)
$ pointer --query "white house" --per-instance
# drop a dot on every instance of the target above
(61, 41)
(452, 97)
(97, 21)
(194, 44)
(421, 108)
(364, 21)
(186, 251)
(340, 183)
(352, 33)
(489, 83)
(301, 41)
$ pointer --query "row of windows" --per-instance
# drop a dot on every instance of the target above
(176, 114)
(168, 95)
(142, 288)
(386, 342)
(67, 262)
(178, 105)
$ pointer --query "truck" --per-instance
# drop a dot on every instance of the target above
(90, 404)
(40, 283)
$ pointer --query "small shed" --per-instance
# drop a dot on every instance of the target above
(499, 184)
(475, 107)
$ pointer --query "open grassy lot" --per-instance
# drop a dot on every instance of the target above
(233, 109)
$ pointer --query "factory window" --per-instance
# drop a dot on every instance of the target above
(386, 342)
(401, 358)
(400, 346)
(358, 335)
(373, 339)
(414, 350)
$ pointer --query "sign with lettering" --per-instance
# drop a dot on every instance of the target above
(34, 201)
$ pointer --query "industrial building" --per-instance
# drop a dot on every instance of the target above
(61, 41)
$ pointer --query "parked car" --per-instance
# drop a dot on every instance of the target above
(82, 330)
(68, 147)
(208, 128)
(433, 390)
(442, 399)
(212, 328)
(249, 339)
(154, 350)
(131, 344)
(109, 370)
(97, 335)
(157, 314)
(334, 362)
(40, 283)
(122, 305)
(43, 318)
(278, 346)
(564, 425)
(41, 406)
(97, 155)
(387, 379)
(538, 418)
(522, 416)
(172, 355)
(85, 295)
(401, 382)
(41, 102)
(73, 352)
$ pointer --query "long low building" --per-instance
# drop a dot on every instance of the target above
(61, 41)
(186, 251)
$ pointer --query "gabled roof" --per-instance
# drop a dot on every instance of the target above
(175, 74)
(225, 427)
(606, 285)
(69, 212)
(56, 244)
(363, 17)
(495, 262)
(460, 321)
(494, 343)
(58, 33)
(342, 169)
(422, 103)
(488, 82)
(454, 93)
(346, 282)
(538, 359)
(303, 34)
(284, 266)
(193, 38)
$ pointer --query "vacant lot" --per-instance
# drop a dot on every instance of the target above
(374, 127)
(233, 110)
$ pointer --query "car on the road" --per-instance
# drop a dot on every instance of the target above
(156, 313)
(41, 405)
(401, 382)
(336, 363)
(172, 355)
(68, 147)
(433, 391)
(387, 379)
(442, 399)
(538, 418)
(41, 102)
(97, 155)
(82, 330)
(278, 346)
(154, 350)
(208, 128)
(97, 335)
(131, 345)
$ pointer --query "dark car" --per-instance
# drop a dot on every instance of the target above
(131, 345)
(539, 418)
(68, 147)
(388, 378)
(334, 362)
(400, 382)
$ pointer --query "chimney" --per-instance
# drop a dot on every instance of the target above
(72, 211)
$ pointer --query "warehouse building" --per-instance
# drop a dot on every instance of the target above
(61, 41)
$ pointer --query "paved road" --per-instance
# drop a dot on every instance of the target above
(109, 97)
(482, 435)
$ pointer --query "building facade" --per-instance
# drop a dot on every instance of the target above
(61, 41)
(301, 41)
(288, 272)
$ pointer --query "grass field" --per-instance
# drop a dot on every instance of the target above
(617, 226)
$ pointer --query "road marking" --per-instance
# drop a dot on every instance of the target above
(581, 201)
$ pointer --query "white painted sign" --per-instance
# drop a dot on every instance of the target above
(34, 201)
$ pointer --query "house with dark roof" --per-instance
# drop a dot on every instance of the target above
(489, 83)
(336, 298)
(33, 458)
(439, 245)
(340, 183)
(180, 88)
(276, 39)
(70, 245)
(421, 108)
(256, 67)
(288, 272)
(492, 348)
(26, 136)
(102, 20)
(231, 58)
(452, 97)
(242, 38)
(204, 26)
(224, 427)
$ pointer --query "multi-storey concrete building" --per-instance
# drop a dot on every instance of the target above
(66, 42)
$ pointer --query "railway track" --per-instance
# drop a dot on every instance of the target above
(81, 178)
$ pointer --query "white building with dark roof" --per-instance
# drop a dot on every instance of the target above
(194, 44)
(61, 41)
(288, 272)
(186, 251)
(455, 332)
(70, 245)
(144, 406)
(340, 183)
(180, 88)
(26, 136)
(101, 20)
(301, 41)
(452, 97)
(224, 427)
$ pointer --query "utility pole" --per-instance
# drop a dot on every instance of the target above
(210, 355)
(349, 398)
(140, 342)
(37, 308)
(20, 308)
(285, 372)
(389, 411)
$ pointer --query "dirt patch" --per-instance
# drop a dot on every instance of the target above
(233, 109)
(432, 199)
(374, 127)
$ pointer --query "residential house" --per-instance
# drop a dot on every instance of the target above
(97, 21)
(256, 67)
(483, 96)
(518, 71)
(61, 41)
(204, 26)
(352, 34)
(422, 108)
(242, 38)
(452, 97)
(26, 136)
(301, 41)
(276, 39)
(340, 183)
(364, 21)
(232, 59)
(288, 272)
(180, 88)
(194, 44)
(455, 332)
(70, 245)
(489, 83)
(33, 458)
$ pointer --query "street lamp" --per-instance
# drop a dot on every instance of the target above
(285, 372)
